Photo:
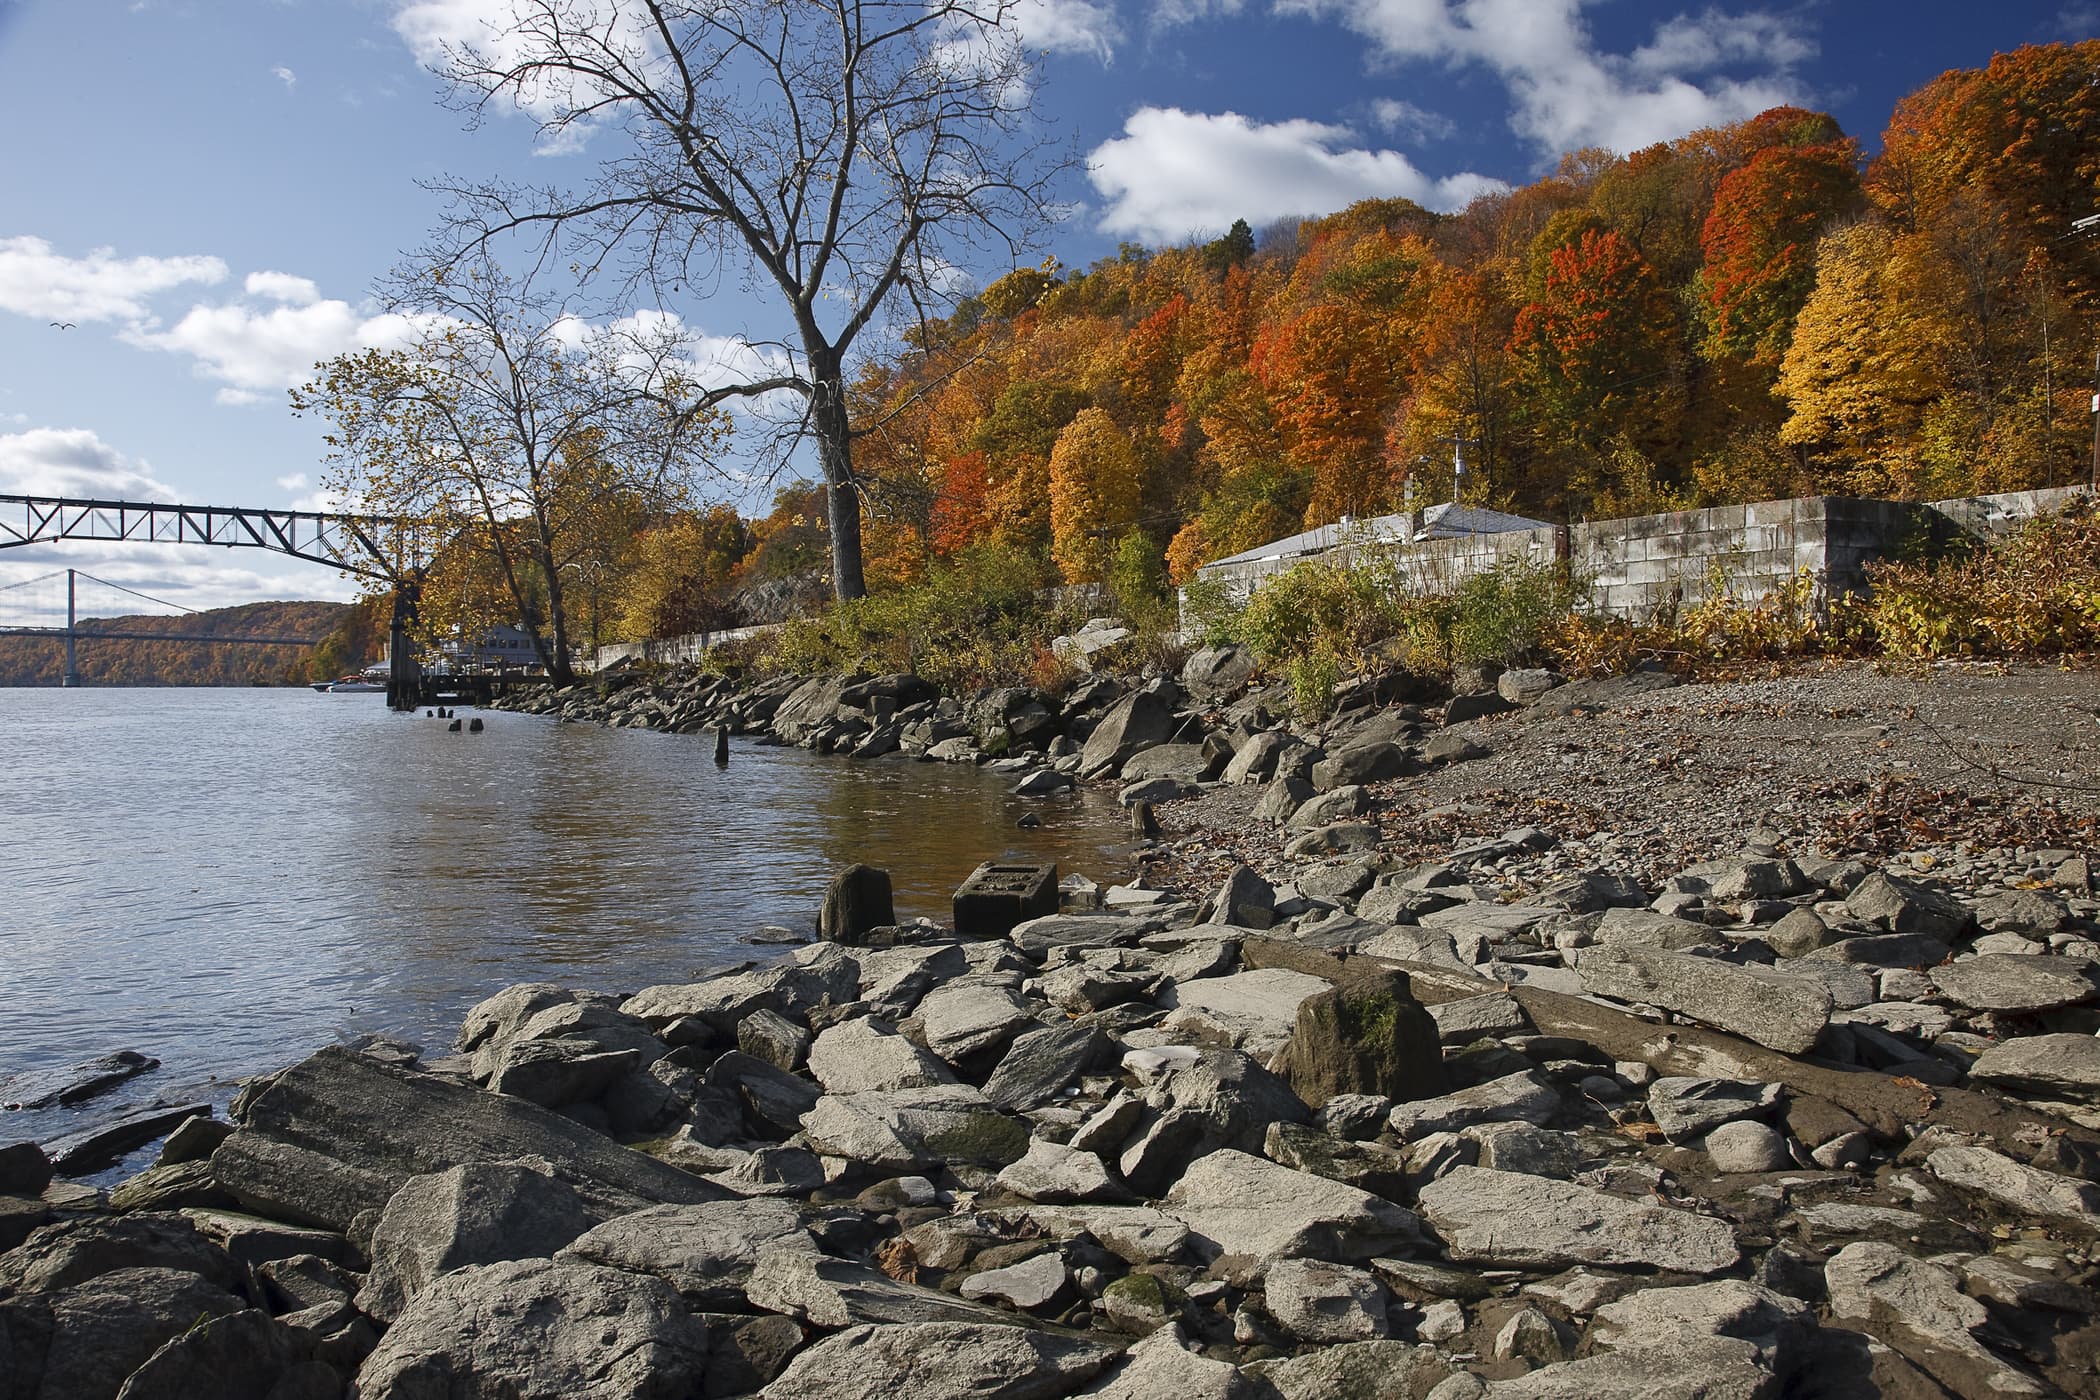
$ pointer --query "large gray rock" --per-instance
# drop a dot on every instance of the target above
(705, 1252)
(941, 1361)
(1725, 1341)
(795, 1280)
(973, 1020)
(1255, 760)
(1918, 1308)
(1687, 1109)
(2017, 981)
(1217, 673)
(338, 1134)
(1135, 723)
(1283, 797)
(1524, 1097)
(1234, 1203)
(500, 1017)
(1034, 1284)
(1334, 805)
(242, 1356)
(1357, 1370)
(1324, 1303)
(2026, 1189)
(1245, 900)
(85, 1339)
(1042, 1063)
(1782, 1013)
(1360, 764)
(1902, 906)
(905, 1130)
(1367, 1035)
(1055, 1174)
(559, 1070)
(1258, 1007)
(1503, 1218)
(861, 1056)
(73, 1084)
(74, 1249)
(1161, 1367)
(2054, 1066)
(1644, 928)
(478, 1213)
(1221, 1099)
(539, 1329)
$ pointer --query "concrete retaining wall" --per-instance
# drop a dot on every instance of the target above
(1649, 564)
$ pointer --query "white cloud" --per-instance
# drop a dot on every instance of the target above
(282, 286)
(258, 352)
(285, 75)
(1167, 13)
(1410, 122)
(1175, 174)
(1567, 93)
(37, 281)
(1067, 26)
(295, 482)
(74, 462)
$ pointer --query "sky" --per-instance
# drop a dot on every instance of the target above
(205, 193)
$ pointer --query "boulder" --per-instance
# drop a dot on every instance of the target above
(1511, 1220)
(1903, 906)
(1747, 1147)
(1245, 900)
(1282, 798)
(24, 1169)
(1136, 722)
(1360, 763)
(857, 900)
(795, 1280)
(2029, 1190)
(1918, 1308)
(540, 1329)
(1054, 1174)
(1359, 1371)
(85, 1339)
(560, 1070)
(905, 1130)
(705, 1252)
(2064, 1066)
(1255, 760)
(1367, 1035)
(2017, 982)
(478, 1213)
(970, 1020)
(1035, 1283)
(44, 1088)
(1781, 1013)
(1183, 764)
(941, 1361)
(1219, 1099)
(1162, 1367)
(1644, 928)
(1326, 808)
(245, 1355)
(1525, 684)
(1258, 1007)
(1234, 1203)
(1688, 1109)
(338, 1134)
(1524, 1097)
(774, 1101)
(1217, 673)
(1324, 1303)
(75, 1249)
(1041, 1064)
(863, 1056)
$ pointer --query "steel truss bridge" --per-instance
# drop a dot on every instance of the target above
(373, 547)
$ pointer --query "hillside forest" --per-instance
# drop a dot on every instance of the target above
(349, 641)
(1750, 312)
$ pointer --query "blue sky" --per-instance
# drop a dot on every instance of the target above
(208, 189)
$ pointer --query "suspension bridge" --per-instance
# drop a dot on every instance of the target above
(35, 606)
(371, 546)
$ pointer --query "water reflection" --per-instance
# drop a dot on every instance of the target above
(226, 879)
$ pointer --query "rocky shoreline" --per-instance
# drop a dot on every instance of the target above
(1362, 1093)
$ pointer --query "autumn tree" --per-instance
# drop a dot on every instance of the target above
(846, 154)
(515, 436)
(1759, 245)
(1093, 494)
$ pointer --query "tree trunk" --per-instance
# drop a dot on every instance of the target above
(835, 453)
(558, 668)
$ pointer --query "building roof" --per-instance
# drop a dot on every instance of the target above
(1438, 522)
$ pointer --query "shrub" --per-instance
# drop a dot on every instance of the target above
(1503, 615)
(2034, 593)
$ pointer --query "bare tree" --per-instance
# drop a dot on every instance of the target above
(849, 155)
(523, 436)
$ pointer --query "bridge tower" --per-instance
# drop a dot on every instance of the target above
(404, 680)
(72, 673)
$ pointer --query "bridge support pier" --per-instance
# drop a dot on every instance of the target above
(404, 677)
(72, 672)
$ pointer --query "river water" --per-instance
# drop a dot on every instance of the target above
(229, 879)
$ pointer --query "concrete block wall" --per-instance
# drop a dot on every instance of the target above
(1640, 567)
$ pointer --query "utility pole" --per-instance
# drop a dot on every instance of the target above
(72, 674)
(1458, 461)
(2094, 483)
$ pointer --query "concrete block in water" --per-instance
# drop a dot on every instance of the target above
(997, 897)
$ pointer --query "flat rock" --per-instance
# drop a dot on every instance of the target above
(2062, 1066)
(539, 1329)
(76, 1248)
(941, 1361)
(1357, 1371)
(1134, 1234)
(1503, 1218)
(1919, 1309)
(476, 1213)
(1162, 1368)
(907, 1130)
(1645, 928)
(1786, 1014)
(1687, 1109)
(2026, 1189)
(972, 1019)
(75, 1083)
(2017, 982)
(96, 1148)
(1042, 1063)
(793, 1279)
(1234, 1203)
(1058, 1175)
(234, 1357)
(1033, 1284)
(1324, 1303)
(1904, 906)
(706, 1252)
(1526, 1096)
(861, 1056)
(338, 1134)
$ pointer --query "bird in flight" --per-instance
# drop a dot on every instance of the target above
(63, 325)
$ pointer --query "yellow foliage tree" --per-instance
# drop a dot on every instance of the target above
(1093, 494)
